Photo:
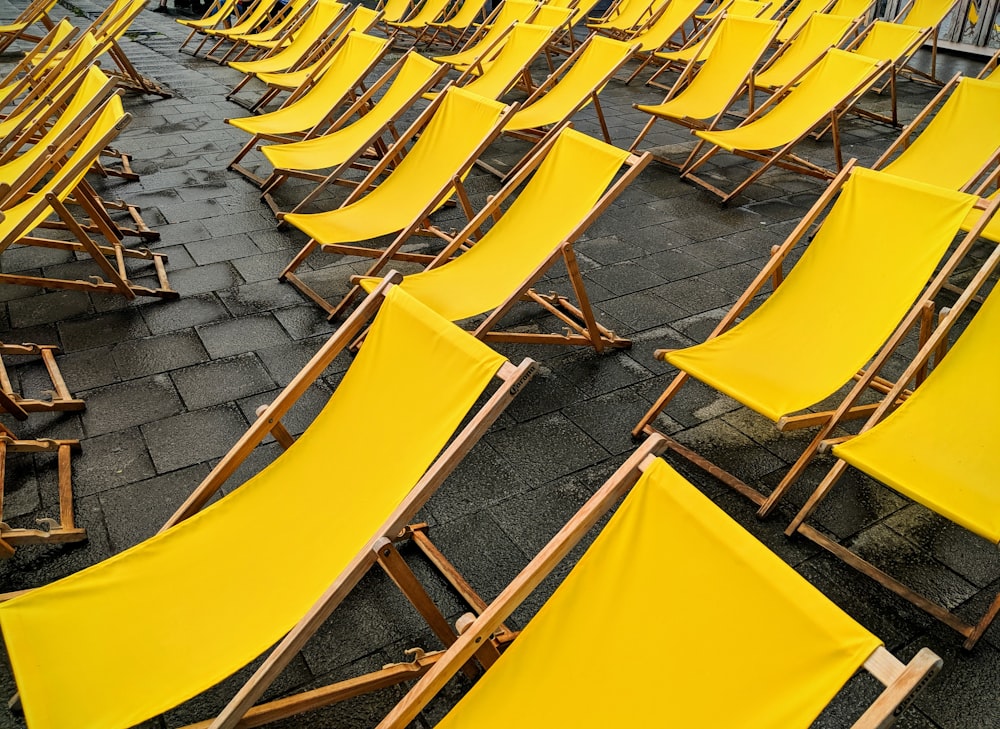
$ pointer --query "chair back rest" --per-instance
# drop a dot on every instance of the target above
(799, 15)
(820, 33)
(212, 599)
(928, 13)
(552, 16)
(889, 41)
(394, 11)
(503, 68)
(577, 170)
(739, 44)
(600, 58)
(668, 545)
(955, 145)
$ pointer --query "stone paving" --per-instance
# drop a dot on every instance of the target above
(169, 386)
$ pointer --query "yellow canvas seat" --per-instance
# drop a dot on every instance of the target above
(276, 30)
(498, 71)
(807, 340)
(255, 18)
(660, 33)
(893, 42)
(36, 11)
(701, 45)
(926, 14)
(216, 16)
(989, 72)
(454, 27)
(28, 207)
(704, 91)
(167, 619)
(346, 141)
(449, 135)
(318, 23)
(857, 9)
(938, 447)
(819, 33)
(526, 239)
(627, 16)
(306, 111)
(955, 149)
(570, 88)
(796, 15)
(420, 22)
(991, 231)
(491, 35)
(396, 10)
(667, 550)
(308, 72)
(769, 134)
(36, 63)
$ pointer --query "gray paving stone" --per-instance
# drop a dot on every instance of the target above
(47, 308)
(101, 330)
(121, 406)
(242, 335)
(187, 312)
(212, 383)
(140, 357)
(193, 437)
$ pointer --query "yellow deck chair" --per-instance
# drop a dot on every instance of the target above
(37, 11)
(306, 114)
(858, 9)
(819, 33)
(669, 551)
(703, 42)
(359, 20)
(937, 448)
(396, 10)
(796, 15)
(926, 14)
(955, 149)
(892, 42)
(110, 27)
(768, 135)
(526, 240)
(627, 16)
(449, 136)
(491, 35)
(574, 85)
(324, 19)
(31, 69)
(884, 235)
(277, 32)
(499, 71)
(347, 141)
(217, 15)
(420, 22)
(660, 33)
(699, 98)
(257, 17)
(27, 208)
(454, 27)
(168, 618)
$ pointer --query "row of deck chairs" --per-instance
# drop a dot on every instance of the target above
(811, 83)
(61, 115)
(168, 618)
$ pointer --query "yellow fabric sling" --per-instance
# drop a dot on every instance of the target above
(882, 238)
(167, 619)
(940, 446)
(690, 614)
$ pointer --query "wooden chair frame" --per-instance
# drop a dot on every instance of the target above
(61, 400)
(783, 157)
(580, 323)
(902, 682)
(256, 19)
(375, 146)
(276, 35)
(649, 56)
(109, 28)
(380, 549)
(539, 136)
(32, 69)
(920, 317)
(417, 33)
(37, 11)
(990, 66)
(420, 225)
(455, 33)
(117, 273)
(931, 348)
